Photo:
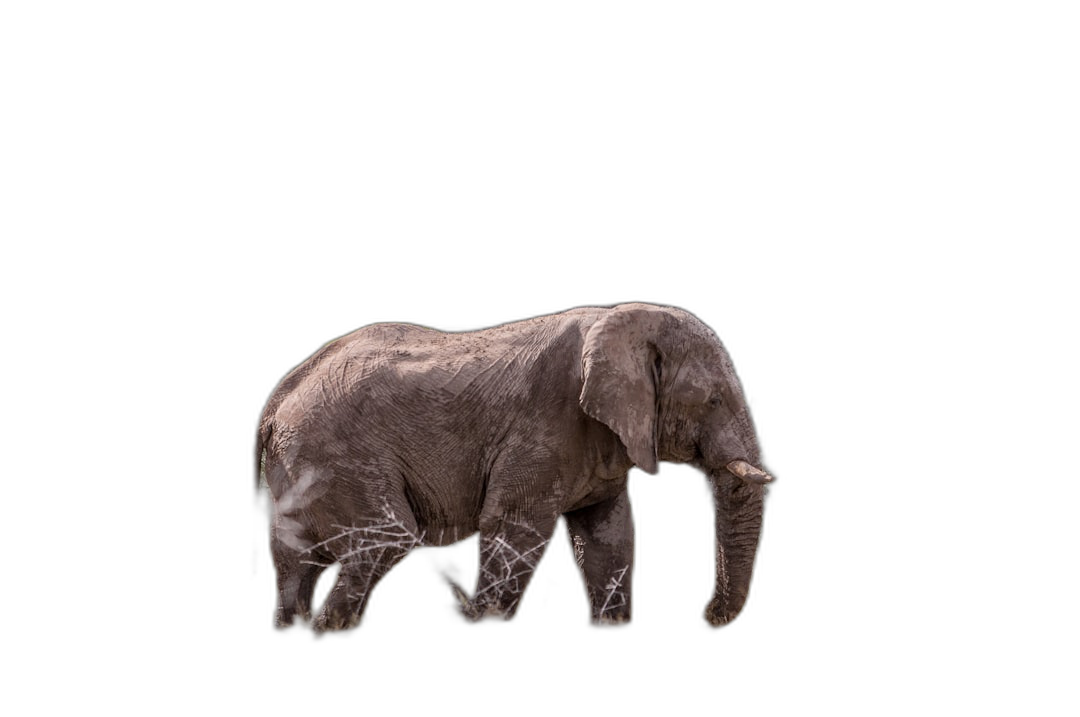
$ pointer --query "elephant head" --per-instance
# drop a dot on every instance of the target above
(661, 380)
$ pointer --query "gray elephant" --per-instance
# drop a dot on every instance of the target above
(398, 436)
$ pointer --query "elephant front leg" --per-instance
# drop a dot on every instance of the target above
(602, 536)
(509, 552)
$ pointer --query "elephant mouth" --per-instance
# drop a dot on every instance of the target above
(749, 473)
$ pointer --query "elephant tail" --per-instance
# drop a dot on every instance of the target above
(262, 438)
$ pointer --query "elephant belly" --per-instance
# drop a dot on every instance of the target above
(433, 535)
(446, 502)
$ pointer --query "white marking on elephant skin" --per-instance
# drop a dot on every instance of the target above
(505, 565)
(296, 497)
(290, 532)
(579, 551)
(615, 597)
(366, 546)
(355, 541)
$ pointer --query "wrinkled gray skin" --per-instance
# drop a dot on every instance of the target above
(397, 436)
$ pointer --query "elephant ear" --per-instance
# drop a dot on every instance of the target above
(621, 365)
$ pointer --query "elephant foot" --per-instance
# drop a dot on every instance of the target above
(612, 618)
(284, 618)
(475, 610)
(326, 622)
(718, 616)
(473, 613)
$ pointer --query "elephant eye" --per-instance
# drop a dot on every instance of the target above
(715, 401)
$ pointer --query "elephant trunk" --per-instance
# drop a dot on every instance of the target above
(739, 507)
(739, 496)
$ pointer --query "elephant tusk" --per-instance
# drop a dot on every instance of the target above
(749, 473)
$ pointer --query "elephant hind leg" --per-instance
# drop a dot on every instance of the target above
(345, 605)
(297, 569)
(366, 550)
(509, 552)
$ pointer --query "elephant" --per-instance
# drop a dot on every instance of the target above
(398, 436)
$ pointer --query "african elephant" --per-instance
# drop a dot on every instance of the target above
(397, 436)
